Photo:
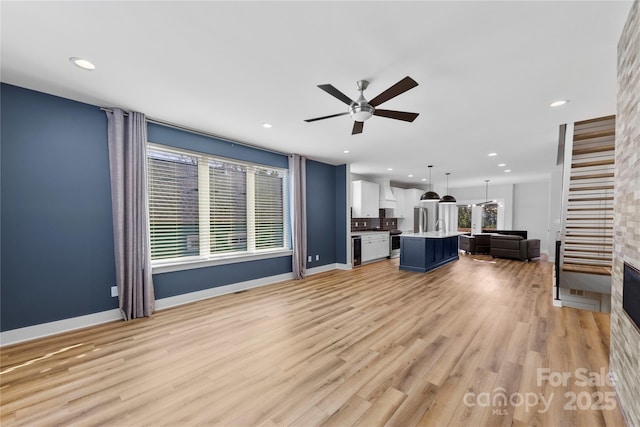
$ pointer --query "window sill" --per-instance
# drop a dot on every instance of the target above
(174, 265)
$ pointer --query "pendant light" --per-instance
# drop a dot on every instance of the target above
(448, 198)
(430, 195)
(486, 194)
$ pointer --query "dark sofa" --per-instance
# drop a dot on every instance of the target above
(476, 244)
(467, 244)
(514, 247)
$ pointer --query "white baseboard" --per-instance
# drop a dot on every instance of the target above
(29, 333)
(321, 269)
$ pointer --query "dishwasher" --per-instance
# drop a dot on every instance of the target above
(356, 250)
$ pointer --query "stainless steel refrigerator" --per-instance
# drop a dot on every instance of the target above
(425, 217)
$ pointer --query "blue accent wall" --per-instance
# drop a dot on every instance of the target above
(181, 282)
(56, 256)
(219, 147)
(321, 218)
(57, 236)
(342, 206)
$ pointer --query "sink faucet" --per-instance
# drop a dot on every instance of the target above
(441, 225)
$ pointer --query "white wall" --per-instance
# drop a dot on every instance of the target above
(533, 206)
(555, 209)
(503, 193)
(531, 211)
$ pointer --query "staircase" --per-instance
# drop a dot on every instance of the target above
(588, 231)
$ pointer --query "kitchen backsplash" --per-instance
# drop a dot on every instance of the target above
(382, 223)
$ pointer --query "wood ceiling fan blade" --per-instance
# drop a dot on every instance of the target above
(326, 117)
(357, 127)
(401, 87)
(336, 93)
(398, 115)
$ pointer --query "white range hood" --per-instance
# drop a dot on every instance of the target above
(387, 199)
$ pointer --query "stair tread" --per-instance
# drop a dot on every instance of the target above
(586, 268)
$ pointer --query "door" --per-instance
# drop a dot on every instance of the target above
(476, 219)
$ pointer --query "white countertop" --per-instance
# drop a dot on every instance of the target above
(433, 234)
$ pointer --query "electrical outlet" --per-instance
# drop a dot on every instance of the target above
(114, 291)
(317, 257)
(310, 258)
(365, 223)
(356, 223)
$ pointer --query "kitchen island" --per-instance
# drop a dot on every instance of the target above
(422, 252)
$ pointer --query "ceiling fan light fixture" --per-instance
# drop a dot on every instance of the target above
(361, 112)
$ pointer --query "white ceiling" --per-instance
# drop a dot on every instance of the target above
(487, 72)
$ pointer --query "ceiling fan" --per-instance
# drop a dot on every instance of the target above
(362, 110)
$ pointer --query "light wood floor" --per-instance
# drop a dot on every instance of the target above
(371, 346)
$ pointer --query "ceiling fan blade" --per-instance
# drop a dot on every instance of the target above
(326, 117)
(398, 115)
(336, 93)
(357, 127)
(401, 87)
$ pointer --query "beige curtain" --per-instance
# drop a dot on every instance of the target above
(128, 165)
(298, 180)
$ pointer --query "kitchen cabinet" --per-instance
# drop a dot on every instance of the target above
(426, 251)
(374, 246)
(365, 198)
(400, 210)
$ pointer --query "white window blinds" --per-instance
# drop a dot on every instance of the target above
(227, 206)
(205, 207)
(270, 209)
(173, 204)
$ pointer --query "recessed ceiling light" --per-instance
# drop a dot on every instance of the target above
(389, 169)
(502, 164)
(507, 170)
(267, 125)
(492, 154)
(82, 63)
(410, 175)
(423, 179)
(559, 103)
(346, 151)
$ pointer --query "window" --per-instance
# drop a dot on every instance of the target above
(464, 218)
(202, 207)
(173, 204)
(490, 216)
(483, 216)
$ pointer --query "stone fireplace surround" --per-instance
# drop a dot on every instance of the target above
(625, 335)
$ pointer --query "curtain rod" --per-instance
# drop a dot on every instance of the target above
(199, 132)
